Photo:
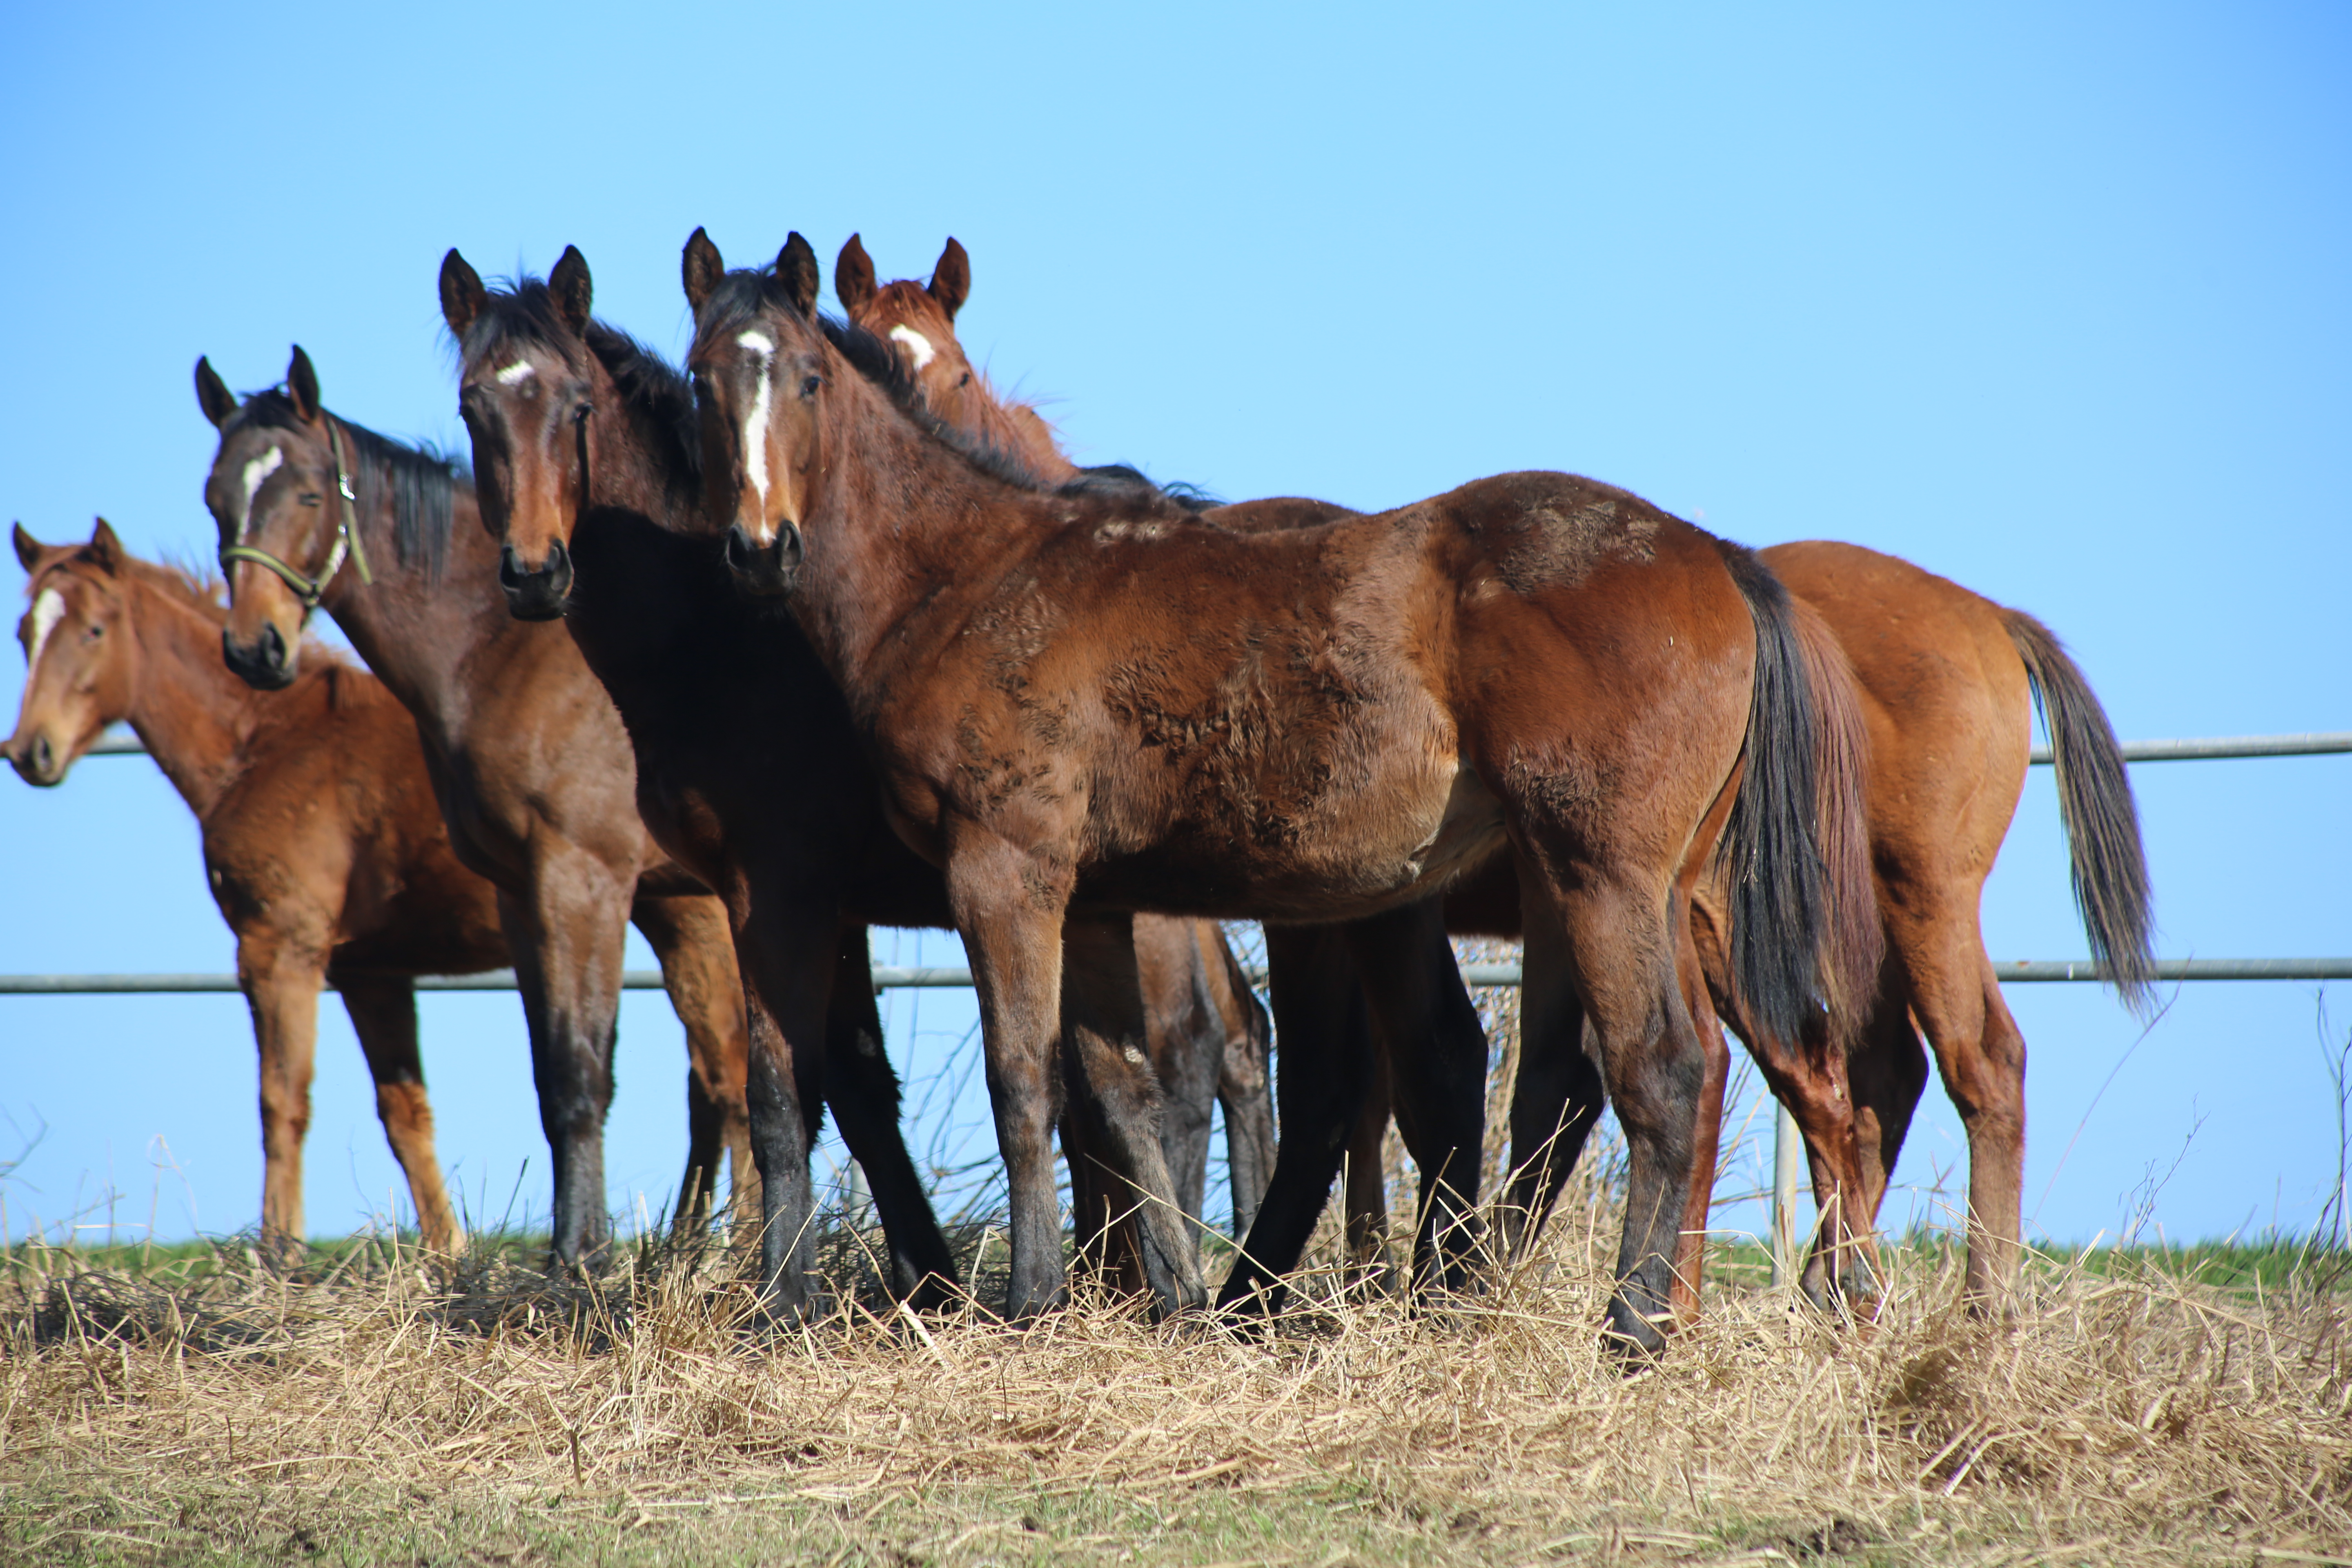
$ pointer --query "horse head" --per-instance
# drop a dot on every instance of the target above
(281, 491)
(79, 653)
(758, 368)
(525, 387)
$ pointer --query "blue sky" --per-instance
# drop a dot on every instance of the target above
(2051, 302)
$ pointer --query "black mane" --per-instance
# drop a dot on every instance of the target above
(418, 483)
(741, 295)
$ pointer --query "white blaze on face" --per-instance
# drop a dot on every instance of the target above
(755, 423)
(48, 609)
(255, 473)
(916, 344)
(518, 370)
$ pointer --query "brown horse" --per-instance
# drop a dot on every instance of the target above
(752, 778)
(1950, 680)
(322, 843)
(1080, 696)
(1330, 1060)
(527, 757)
(1947, 675)
(918, 320)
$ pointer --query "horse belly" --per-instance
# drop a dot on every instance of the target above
(1403, 831)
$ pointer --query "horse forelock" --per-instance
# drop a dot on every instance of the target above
(517, 317)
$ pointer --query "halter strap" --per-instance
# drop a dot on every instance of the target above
(309, 592)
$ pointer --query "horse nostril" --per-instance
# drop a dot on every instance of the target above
(273, 647)
(536, 595)
(44, 757)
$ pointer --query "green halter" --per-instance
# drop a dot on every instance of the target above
(347, 541)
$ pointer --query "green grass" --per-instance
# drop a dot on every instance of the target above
(366, 1524)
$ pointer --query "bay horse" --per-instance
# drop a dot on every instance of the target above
(526, 755)
(1949, 681)
(918, 320)
(322, 843)
(1942, 668)
(749, 771)
(1080, 697)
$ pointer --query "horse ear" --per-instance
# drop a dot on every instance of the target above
(28, 549)
(104, 550)
(570, 285)
(213, 394)
(702, 269)
(461, 293)
(952, 278)
(796, 270)
(852, 276)
(302, 384)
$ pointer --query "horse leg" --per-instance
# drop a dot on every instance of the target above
(566, 938)
(1321, 1074)
(1557, 1096)
(1365, 1178)
(790, 952)
(1103, 1033)
(1436, 1052)
(281, 980)
(1009, 913)
(1808, 1078)
(382, 1010)
(1621, 938)
(689, 936)
(862, 1092)
(1707, 1130)
(1885, 1073)
(1244, 1086)
(1184, 1034)
(1981, 1053)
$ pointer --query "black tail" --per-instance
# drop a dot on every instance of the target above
(2095, 797)
(1804, 926)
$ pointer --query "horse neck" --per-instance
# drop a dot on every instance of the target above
(895, 550)
(195, 718)
(1020, 429)
(417, 634)
(628, 473)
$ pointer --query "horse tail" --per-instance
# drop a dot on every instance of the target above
(1804, 918)
(2109, 865)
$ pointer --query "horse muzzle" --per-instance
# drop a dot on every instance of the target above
(265, 664)
(771, 570)
(37, 761)
(539, 594)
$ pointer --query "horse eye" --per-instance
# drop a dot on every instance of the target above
(309, 497)
(808, 387)
(966, 380)
(579, 414)
(97, 632)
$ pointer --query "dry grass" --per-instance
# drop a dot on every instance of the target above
(383, 1414)
(373, 1409)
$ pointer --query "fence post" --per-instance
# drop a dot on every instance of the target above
(1788, 1156)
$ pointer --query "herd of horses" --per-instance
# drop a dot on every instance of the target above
(818, 632)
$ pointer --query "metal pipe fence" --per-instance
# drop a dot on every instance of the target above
(1788, 1158)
